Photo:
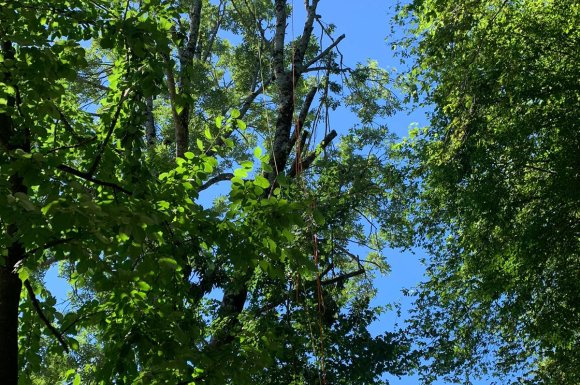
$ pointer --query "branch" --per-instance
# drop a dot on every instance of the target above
(258, 21)
(70, 147)
(278, 53)
(532, 167)
(89, 178)
(322, 54)
(220, 16)
(247, 103)
(300, 147)
(251, 97)
(173, 102)
(187, 53)
(272, 305)
(300, 50)
(67, 124)
(97, 160)
(306, 106)
(307, 162)
(300, 122)
(342, 278)
(98, 86)
(49, 244)
(50, 327)
(150, 133)
(216, 179)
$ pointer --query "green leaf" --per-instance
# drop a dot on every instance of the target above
(207, 133)
(241, 172)
(261, 182)
(318, 217)
(164, 205)
(237, 180)
(24, 201)
(24, 273)
(143, 286)
(241, 124)
(169, 262)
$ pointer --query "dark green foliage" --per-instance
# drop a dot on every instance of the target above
(498, 170)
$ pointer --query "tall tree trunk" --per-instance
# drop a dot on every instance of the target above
(11, 138)
(186, 57)
(10, 286)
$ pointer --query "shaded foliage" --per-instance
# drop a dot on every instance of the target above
(497, 175)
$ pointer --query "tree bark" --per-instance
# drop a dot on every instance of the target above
(10, 284)
(186, 57)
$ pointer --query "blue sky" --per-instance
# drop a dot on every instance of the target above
(366, 25)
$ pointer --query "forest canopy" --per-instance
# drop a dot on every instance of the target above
(498, 207)
(176, 162)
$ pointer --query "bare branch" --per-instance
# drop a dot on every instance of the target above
(342, 278)
(322, 54)
(300, 50)
(306, 162)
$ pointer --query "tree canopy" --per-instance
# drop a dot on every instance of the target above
(116, 118)
(177, 162)
(499, 197)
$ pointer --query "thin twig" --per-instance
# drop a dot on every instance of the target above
(105, 142)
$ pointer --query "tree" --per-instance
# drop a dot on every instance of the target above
(498, 198)
(115, 118)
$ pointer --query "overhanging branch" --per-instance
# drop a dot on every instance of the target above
(218, 178)
(89, 178)
(42, 316)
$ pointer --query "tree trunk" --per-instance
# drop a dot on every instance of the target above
(10, 286)
(11, 138)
